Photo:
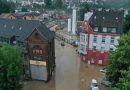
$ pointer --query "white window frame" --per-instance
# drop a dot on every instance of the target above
(112, 49)
(102, 49)
(104, 29)
(103, 39)
(112, 40)
(82, 48)
(94, 48)
(95, 39)
(96, 29)
(82, 38)
(113, 30)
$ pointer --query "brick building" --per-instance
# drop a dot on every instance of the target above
(36, 44)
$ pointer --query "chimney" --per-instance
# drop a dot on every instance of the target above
(74, 21)
(69, 25)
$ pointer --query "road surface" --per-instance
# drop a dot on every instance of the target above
(67, 68)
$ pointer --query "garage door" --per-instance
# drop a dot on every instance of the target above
(38, 72)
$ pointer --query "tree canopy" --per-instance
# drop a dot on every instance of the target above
(24, 9)
(119, 63)
(6, 7)
(48, 4)
(127, 23)
(58, 4)
(11, 68)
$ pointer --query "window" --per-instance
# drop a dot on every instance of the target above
(111, 49)
(86, 38)
(104, 29)
(96, 29)
(37, 50)
(20, 28)
(95, 39)
(14, 42)
(94, 48)
(12, 27)
(109, 30)
(113, 30)
(112, 40)
(24, 18)
(103, 39)
(40, 51)
(82, 38)
(5, 26)
(102, 49)
(82, 47)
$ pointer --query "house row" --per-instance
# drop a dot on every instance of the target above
(26, 16)
(101, 31)
(36, 44)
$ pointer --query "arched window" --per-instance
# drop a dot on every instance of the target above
(37, 53)
(37, 50)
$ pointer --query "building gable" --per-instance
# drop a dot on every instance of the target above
(35, 36)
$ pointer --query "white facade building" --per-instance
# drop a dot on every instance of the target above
(100, 35)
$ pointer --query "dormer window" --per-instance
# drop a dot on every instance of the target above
(4, 25)
(96, 29)
(14, 42)
(113, 30)
(116, 18)
(95, 17)
(20, 28)
(12, 27)
(104, 29)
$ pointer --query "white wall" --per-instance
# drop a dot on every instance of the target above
(107, 43)
(69, 25)
(99, 39)
(74, 21)
(91, 41)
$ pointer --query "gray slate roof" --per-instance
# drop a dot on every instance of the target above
(107, 18)
(5, 15)
(23, 28)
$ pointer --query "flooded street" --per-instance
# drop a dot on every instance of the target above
(67, 68)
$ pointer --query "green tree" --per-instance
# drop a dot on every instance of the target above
(83, 8)
(48, 4)
(58, 4)
(6, 7)
(24, 9)
(127, 23)
(119, 60)
(124, 82)
(11, 68)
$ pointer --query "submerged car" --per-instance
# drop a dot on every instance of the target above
(94, 85)
(104, 70)
(105, 81)
(62, 44)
